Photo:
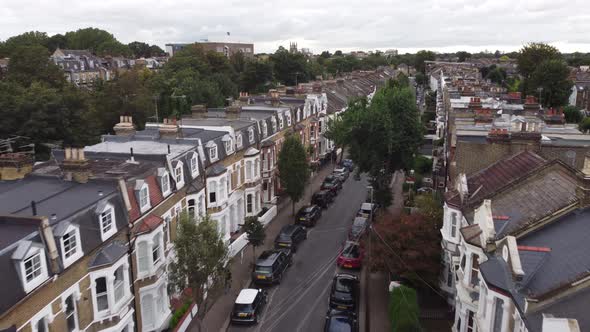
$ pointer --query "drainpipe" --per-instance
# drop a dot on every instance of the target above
(132, 276)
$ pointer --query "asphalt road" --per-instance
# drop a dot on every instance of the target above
(300, 302)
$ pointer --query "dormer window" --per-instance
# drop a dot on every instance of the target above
(273, 122)
(142, 195)
(298, 115)
(32, 267)
(107, 222)
(264, 130)
(239, 141)
(228, 146)
(70, 244)
(194, 165)
(165, 182)
(143, 198)
(251, 135)
(178, 174)
(281, 122)
(212, 151)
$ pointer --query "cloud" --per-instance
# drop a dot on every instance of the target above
(372, 24)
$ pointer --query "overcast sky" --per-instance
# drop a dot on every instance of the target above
(406, 25)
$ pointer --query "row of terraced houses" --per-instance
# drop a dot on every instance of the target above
(86, 237)
(516, 182)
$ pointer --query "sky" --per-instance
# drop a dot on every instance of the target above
(405, 25)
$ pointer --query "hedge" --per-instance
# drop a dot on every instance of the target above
(404, 310)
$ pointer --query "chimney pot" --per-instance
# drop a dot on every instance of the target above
(198, 111)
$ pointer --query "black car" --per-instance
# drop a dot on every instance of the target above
(340, 321)
(344, 292)
(290, 237)
(308, 215)
(331, 187)
(271, 265)
(248, 306)
(333, 179)
(342, 173)
(322, 198)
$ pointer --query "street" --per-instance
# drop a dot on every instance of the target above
(300, 302)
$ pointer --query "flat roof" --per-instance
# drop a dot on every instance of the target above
(139, 147)
(247, 296)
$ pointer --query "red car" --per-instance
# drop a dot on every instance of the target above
(350, 256)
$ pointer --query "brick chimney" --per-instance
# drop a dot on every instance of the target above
(340, 81)
(316, 88)
(275, 98)
(244, 98)
(125, 126)
(198, 111)
(168, 129)
(75, 166)
(233, 111)
(16, 165)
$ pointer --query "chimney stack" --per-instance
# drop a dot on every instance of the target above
(233, 111)
(125, 126)
(75, 166)
(244, 98)
(169, 129)
(317, 88)
(198, 111)
(275, 98)
(15, 165)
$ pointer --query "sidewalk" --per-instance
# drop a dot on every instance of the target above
(217, 317)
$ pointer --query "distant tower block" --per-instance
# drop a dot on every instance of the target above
(293, 47)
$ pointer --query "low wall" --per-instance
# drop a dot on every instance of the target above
(268, 216)
(242, 241)
(186, 320)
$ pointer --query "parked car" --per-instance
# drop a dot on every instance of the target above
(248, 306)
(367, 210)
(290, 237)
(322, 198)
(425, 190)
(351, 255)
(331, 187)
(358, 228)
(271, 265)
(344, 293)
(308, 215)
(348, 164)
(340, 321)
(342, 173)
(427, 182)
(333, 179)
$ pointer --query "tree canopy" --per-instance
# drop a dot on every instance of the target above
(255, 231)
(551, 79)
(200, 255)
(422, 56)
(293, 168)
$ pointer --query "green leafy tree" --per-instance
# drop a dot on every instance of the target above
(290, 68)
(30, 64)
(31, 38)
(200, 255)
(552, 77)
(140, 49)
(421, 78)
(532, 54)
(56, 41)
(422, 56)
(337, 132)
(97, 41)
(256, 77)
(293, 168)
(255, 231)
(338, 53)
(497, 75)
(384, 136)
(584, 125)
(462, 56)
(573, 114)
(404, 310)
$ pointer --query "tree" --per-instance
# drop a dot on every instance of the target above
(256, 77)
(140, 49)
(532, 54)
(409, 246)
(31, 38)
(338, 53)
(584, 125)
(201, 255)
(573, 114)
(462, 56)
(384, 136)
(337, 132)
(496, 75)
(293, 168)
(421, 78)
(552, 77)
(255, 231)
(422, 56)
(431, 208)
(404, 310)
(30, 63)
(289, 68)
(97, 41)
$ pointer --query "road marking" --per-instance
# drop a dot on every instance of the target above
(311, 309)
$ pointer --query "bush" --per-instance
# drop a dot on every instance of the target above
(422, 165)
(584, 125)
(573, 114)
(179, 313)
(404, 310)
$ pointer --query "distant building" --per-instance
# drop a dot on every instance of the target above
(226, 49)
(80, 67)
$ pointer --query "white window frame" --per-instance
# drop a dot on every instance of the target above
(75, 298)
(160, 304)
(213, 153)
(165, 184)
(46, 314)
(194, 165)
(108, 273)
(281, 122)
(239, 142)
(151, 266)
(273, 123)
(144, 207)
(106, 235)
(288, 119)
(264, 129)
(43, 273)
(179, 175)
(251, 135)
(229, 148)
(248, 171)
(74, 231)
(453, 225)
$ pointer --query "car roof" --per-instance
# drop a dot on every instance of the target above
(288, 229)
(340, 169)
(321, 192)
(308, 208)
(247, 296)
(346, 276)
(267, 257)
(359, 220)
(366, 206)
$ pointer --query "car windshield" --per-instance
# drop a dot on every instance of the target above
(242, 307)
(340, 324)
(263, 269)
(344, 285)
(328, 185)
(283, 238)
(358, 223)
(351, 251)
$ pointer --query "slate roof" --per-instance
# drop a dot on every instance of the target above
(572, 306)
(471, 234)
(108, 255)
(487, 181)
(147, 224)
